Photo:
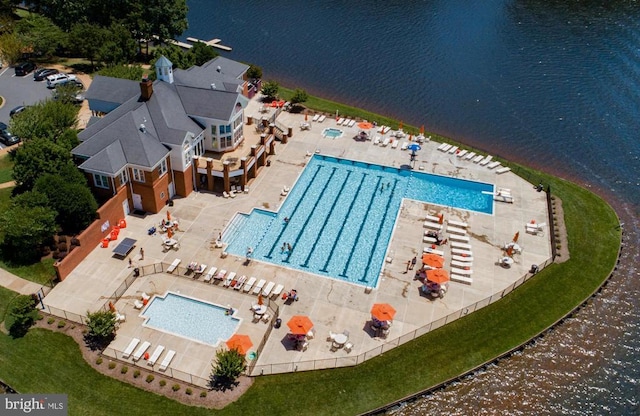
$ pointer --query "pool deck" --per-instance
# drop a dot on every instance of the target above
(332, 305)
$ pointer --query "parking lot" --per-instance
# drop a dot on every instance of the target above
(19, 91)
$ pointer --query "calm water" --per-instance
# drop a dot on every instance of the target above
(554, 84)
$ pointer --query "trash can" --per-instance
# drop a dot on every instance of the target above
(136, 272)
(277, 323)
(534, 269)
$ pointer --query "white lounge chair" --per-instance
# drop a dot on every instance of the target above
(240, 282)
(156, 354)
(456, 230)
(462, 271)
(503, 198)
(259, 286)
(394, 144)
(221, 274)
(340, 120)
(432, 218)
(485, 161)
(322, 118)
(173, 265)
(461, 252)
(447, 147)
(465, 259)
(430, 240)
(441, 147)
(137, 304)
(229, 279)
(267, 289)
(433, 251)
(470, 156)
(167, 360)
(404, 146)
(386, 142)
(199, 270)
(225, 194)
(210, 273)
(460, 278)
(456, 244)
(232, 194)
(434, 225)
(351, 123)
(461, 264)
(459, 224)
(277, 290)
(145, 296)
(462, 153)
(132, 345)
(141, 350)
(493, 164)
(376, 140)
(316, 117)
(120, 317)
(502, 170)
(249, 284)
(453, 149)
(478, 158)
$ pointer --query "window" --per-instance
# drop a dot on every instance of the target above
(138, 175)
(101, 181)
(163, 167)
(124, 178)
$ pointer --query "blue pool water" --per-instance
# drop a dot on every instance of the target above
(332, 133)
(341, 216)
(190, 318)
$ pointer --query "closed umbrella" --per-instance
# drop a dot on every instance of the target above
(383, 312)
(241, 343)
(400, 127)
(437, 276)
(169, 233)
(433, 260)
(300, 325)
(168, 216)
(515, 237)
(422, 129)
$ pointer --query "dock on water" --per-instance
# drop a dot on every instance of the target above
(213, 42)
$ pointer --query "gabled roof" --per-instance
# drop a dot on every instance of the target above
(113, 90)
(209, 103)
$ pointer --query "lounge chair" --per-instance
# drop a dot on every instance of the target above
(240, 282)
(173, 265)
(404, 146)
(459, 224)
(456, 230)
(351, 123)
(462, 271)
(225, 194)
(120, 317)
(433, 251)
(434, 225)
(156, 354)
(503, 169)
(456, 244)
(462, 264)
(246, 189)
(478, 158)
(485, 161)
(267, 290)
(340, 121)
(210, 273)
(249, 284)
(432, 218)
(462, 153)
(232, 194)
(457, 237)
(386, 142)
(199, 270)
(137, 304)
(376, 140)
(322, 118)
(265, 318)
(461, 252)
(453, 149)
(470, 156)
(463, 258)
(493, 164)
(503, 198)
(276, 292)
(430, 240)
(167, 360)
(316, 117)
(221, 274)
(460, 278)
(144, 296)
(259, 286)
(441, 147)
(229, 279)
(394, 144)
(132, 345)
(141, 350)
(446, 147)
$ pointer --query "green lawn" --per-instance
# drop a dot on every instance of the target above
(431, 359)
(42, 272)
(6, 168)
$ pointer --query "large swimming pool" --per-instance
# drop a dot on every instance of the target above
(341, 214)
(190, 318)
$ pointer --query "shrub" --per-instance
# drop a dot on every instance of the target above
(226, 369)
(62, 239)
(20, 315)
(62, 247)
(112, 365)
(188, 391)
(40, 317)
(75, 242)
(101, 326)
(136, 374)
(163, 383)
(203, 394)
(56, 254)
(150, 378)
(51, 320)
(99, 360)
(175, 387)
(124, 369)
(61, 324)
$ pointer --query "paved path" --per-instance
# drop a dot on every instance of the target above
(18, 284)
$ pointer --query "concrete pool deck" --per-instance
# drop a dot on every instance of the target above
(332, 305)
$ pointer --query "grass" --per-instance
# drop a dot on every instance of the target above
(41, 273)
(6, 168)
(451, 350)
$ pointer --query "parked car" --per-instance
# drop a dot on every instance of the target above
(55, 79)
(24, 68)
(6, 137)
(41, 73)
(19, 109)
(72, 82)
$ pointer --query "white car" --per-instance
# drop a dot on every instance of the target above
(55, 79)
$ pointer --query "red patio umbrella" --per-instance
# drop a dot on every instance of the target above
(437, 276)
(400, 127)
(433, 260)
(168, 216)
(169, 233)
(242, 343)
(422, 129)
(383, 311)
(300, 325)
(515, 237)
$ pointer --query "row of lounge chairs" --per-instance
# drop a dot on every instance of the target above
(481, 160)
(347, 122)
(319, 118)
(142, 350)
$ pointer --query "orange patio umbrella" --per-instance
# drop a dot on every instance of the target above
(515, 237)
(510, 251)
(422, 129)
(242, 343)
(168, 216)
(260, 301)
(305, 115)
(437, 275)
(169, 233)
(365, 125)
(300, 325)
(440, 218)
(433, 260)
(383, 311)
(400, 126)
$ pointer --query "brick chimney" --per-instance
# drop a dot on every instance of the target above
(146, 88)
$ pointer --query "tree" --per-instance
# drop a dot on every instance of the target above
(118, 46)
(74, 202)
(167, 18)
(49, 120)
(226, 369)
(11, 47)
(23, 232)
(86, 39)
(7, 6)
(202, 53)
(132, 72)
(102, 328)
(270, 89)
(299, 96)
(178, 57)
(40, 34)
(254, 72)
(21, 315)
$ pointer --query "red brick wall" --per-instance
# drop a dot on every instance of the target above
(91, 237)
(184, 181)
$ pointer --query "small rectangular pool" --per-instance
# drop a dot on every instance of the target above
(190, 318)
